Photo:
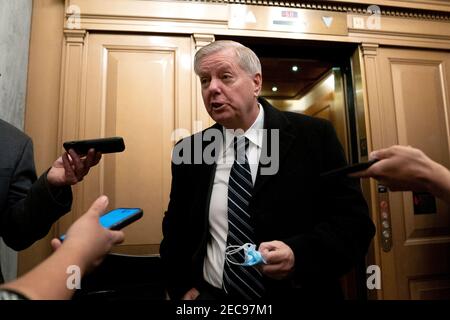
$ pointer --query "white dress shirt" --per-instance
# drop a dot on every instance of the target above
(218, 208)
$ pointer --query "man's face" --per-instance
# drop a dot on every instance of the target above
(229, 93)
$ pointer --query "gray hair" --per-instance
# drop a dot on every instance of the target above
(246, 58)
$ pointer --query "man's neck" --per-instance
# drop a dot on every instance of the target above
(251, 119)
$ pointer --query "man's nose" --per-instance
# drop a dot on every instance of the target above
(214, 85)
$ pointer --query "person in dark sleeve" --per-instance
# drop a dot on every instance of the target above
(29, 206)
(85, 246)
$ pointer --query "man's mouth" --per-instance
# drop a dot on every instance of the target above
(216, 105)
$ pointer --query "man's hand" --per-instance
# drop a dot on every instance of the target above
(70, 169)
(280, 259)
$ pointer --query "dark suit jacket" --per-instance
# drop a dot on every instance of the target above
(325, 223)
(28, 207)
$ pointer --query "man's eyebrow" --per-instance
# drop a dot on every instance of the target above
(203, 74)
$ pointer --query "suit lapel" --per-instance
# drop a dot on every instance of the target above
(273, 120)
(209, 172)
(205, 172)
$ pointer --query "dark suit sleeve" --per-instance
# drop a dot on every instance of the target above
(31, 206)
(344, 230)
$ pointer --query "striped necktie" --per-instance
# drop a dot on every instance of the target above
(240, 281)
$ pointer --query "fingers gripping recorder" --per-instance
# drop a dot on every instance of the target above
(251, 257)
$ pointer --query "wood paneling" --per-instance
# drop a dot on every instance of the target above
(409, 105)
(137, 87)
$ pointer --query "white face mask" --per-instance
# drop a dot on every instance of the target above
(252, 256)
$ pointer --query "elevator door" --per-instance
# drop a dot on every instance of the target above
(409, 104)
(137, 87)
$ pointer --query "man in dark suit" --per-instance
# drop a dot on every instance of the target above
(29, 207)
(310, 231)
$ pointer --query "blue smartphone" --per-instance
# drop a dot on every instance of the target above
(118, 218)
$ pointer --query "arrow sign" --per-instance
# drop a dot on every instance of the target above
(328, 21)
(250, 18)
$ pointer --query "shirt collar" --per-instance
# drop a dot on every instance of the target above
(253, 134)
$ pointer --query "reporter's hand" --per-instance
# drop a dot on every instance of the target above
(280, 259)
(87, 238)
(400, 168)
(70, 169)
(191, 294)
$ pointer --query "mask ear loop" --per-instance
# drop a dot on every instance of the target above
(230, 250)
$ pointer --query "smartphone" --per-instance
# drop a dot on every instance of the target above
(118, 218)
(343, 171)
(103, 145)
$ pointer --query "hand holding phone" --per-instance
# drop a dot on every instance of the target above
(118, 218)
(103, 145)
(343, 171)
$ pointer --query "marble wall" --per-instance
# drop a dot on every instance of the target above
(15, 22)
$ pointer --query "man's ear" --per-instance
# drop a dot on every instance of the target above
(257, 81)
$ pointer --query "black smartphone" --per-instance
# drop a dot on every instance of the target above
(103, 145)
(343, 171)
(118, 218)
